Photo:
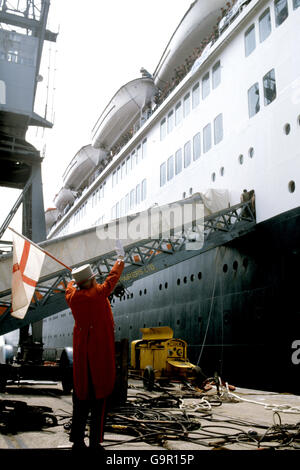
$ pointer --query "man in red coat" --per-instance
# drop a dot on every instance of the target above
(93, 349)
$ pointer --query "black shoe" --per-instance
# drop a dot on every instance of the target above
(97, 447)
(80, 445)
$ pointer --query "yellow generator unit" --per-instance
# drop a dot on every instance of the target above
(160, 356)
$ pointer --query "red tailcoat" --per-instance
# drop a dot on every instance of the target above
(93, 335)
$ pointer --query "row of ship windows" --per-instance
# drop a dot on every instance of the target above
(173, 166)
(192, 278)
(269, 90)
(265, 24)
(129, 163)
(191, 99)
(132, 199)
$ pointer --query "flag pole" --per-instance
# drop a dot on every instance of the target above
(39, 248)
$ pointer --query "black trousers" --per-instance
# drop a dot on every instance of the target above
(81, 410)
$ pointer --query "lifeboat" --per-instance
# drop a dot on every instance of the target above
(197, 25)
(64, 197)
(122, 112)
(81, 166)
(51, 215)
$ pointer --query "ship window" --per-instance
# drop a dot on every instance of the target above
(118, 174)
(264, 25)
(128, 164)
(138, 194)
(138, 154)
(287, 129)
(126, 203)
(281, 11)
(163, 129)
(195, 95)
(186, 105)
(170, 168)
(296, 4)
(213, 176)
(132, 198)
(292, 186)
(196, 146)
(178, 113)
(133, 160)
(269, 87)
(205, 86)
(178, 161)
(207, 138)
(123, 169)
(187, 154)
(222, 170)
(170, 123)
(144, 148)
(253, 100)
(216, 75)
(218, 128)
(114, 176)
(251, 152)
(250, 42)
(163, 174)
(144, 189)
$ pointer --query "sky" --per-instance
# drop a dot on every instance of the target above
(101, 45)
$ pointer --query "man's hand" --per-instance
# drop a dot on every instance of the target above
(120, 250)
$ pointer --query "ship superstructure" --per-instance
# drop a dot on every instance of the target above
(219, 117)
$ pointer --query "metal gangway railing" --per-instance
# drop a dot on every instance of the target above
(143, 257)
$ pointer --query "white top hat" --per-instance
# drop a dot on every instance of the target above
(82, 274)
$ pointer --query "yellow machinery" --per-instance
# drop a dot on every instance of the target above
(160, 356)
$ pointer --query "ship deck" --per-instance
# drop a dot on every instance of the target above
(257, 420)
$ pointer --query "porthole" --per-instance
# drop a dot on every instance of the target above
(222, 171)
(130, 327)
(140, 292)
(241, 159)
(131, 295)
(292, 186)
(287, 129)
(191, 191)
(235, 265)
(225, 268)
(119, 328)
(178, 322)
(251, 152)
(213, 176)
(178, 282)
(166, 285)
(145, 291)
(298, 120)
(199, 276)
(160, 286)
(128, 296)
(185, 279)
(192, 277)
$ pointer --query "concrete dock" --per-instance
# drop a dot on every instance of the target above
(175, 418)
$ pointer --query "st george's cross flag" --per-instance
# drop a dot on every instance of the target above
(27, 265)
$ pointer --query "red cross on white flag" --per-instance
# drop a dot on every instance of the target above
(27, 265)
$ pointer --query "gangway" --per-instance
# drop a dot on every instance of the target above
(143, 256)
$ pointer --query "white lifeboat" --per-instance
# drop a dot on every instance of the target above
(81, 166)
(196, 25)
(63, 197)
(51, 215)
(122, 111)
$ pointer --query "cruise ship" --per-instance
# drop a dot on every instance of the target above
(219, 116)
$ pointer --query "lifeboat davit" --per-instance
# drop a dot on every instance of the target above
(122, 112)
(196, 25)
(63, 197)
(81, 166)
